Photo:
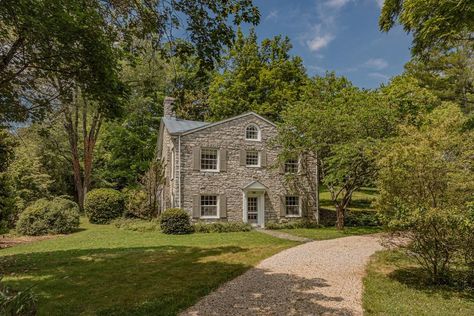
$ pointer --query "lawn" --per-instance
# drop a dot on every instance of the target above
(393, 286)
(108, 271)
(331, 232)
(362, 200)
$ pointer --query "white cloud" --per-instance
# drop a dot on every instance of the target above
(336, 4)
(319, 41)
(273, 15)
(376, 63)
(378, 75)
(379, 3)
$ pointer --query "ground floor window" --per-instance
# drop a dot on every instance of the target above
(252, 158)
(292, 205)
(208, 205)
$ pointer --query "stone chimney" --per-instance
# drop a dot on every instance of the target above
(168, 110)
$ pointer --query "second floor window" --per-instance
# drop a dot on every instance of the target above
(252, 158)
(291, 166)
(252, 133)
(209, 159)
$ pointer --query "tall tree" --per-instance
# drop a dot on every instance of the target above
(262, 78)
(7, 145)
(435, 24)
(77, 40)
(339, 125)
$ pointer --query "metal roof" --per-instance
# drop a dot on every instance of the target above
(176, 126)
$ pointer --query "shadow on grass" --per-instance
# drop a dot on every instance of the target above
(153, 281)
(169, 278)
(416, 278)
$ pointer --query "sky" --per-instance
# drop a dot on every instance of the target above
(338, 35)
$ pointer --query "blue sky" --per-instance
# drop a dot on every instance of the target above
(338, 35)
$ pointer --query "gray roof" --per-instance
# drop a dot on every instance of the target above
(176, 126)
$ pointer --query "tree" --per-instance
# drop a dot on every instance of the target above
(7, 198)
(430, 166)
(448, 75)
(339, 125)
(261, 78)
(411, 101)
(82, 41)
(434, 23)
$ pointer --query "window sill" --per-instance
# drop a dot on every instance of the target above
(292, 215)
(209, 217)
(253, 140)
(252, 166)
(209, 170)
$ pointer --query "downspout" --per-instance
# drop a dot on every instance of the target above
(179, 170)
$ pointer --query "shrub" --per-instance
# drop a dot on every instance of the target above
(304, 223)
(136, 204)
(138, 225)
(56, 216)
(22, 303)
(362, 218)
(221, 227)
(175, 221)
(435, 239)
(104, 205)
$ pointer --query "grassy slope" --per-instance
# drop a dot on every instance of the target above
(109, 271)
(361, 200)
(331, 232)
(393, 287)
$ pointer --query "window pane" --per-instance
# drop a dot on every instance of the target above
(251, 158)
(208, 205)
(208, 159)
(292, 204)
(291, 166)
(251, 132)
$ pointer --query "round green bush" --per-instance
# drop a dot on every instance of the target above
(103, 205)
(56, 216)
(175, 221)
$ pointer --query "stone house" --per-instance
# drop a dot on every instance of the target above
(227, 170)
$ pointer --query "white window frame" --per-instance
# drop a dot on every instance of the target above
(259, 134)
(218, 211)
(298, 168)
(259, 158)
(299, 207)
(218, 162)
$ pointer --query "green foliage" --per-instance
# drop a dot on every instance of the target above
(429, 166)
(221, 227)
(435, 238)
(292, 224)
(175, 221)
(56, 216)
(17, 303)
(362, 219)
(7, 201)
(433, 23)
(104, 205)
(341, 126)
(448, 75)
(261, 78)
(136, 203)
(138, 225)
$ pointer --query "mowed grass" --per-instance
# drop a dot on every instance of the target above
(362, 200)
(103, 270)
(394, 285)
(324, 233)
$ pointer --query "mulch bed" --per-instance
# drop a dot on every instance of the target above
(10, 241)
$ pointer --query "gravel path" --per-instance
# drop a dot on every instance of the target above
(315, 278)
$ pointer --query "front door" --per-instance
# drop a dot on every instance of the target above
(252, 210)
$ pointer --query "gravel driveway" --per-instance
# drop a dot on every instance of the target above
(315, 278)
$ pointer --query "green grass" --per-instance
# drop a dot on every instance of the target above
(102, 270)
(394, 285)
(331, 232)
(361, 200)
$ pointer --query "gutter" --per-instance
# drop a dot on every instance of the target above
(179, 170)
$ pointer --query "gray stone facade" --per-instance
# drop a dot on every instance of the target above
(239, 189)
